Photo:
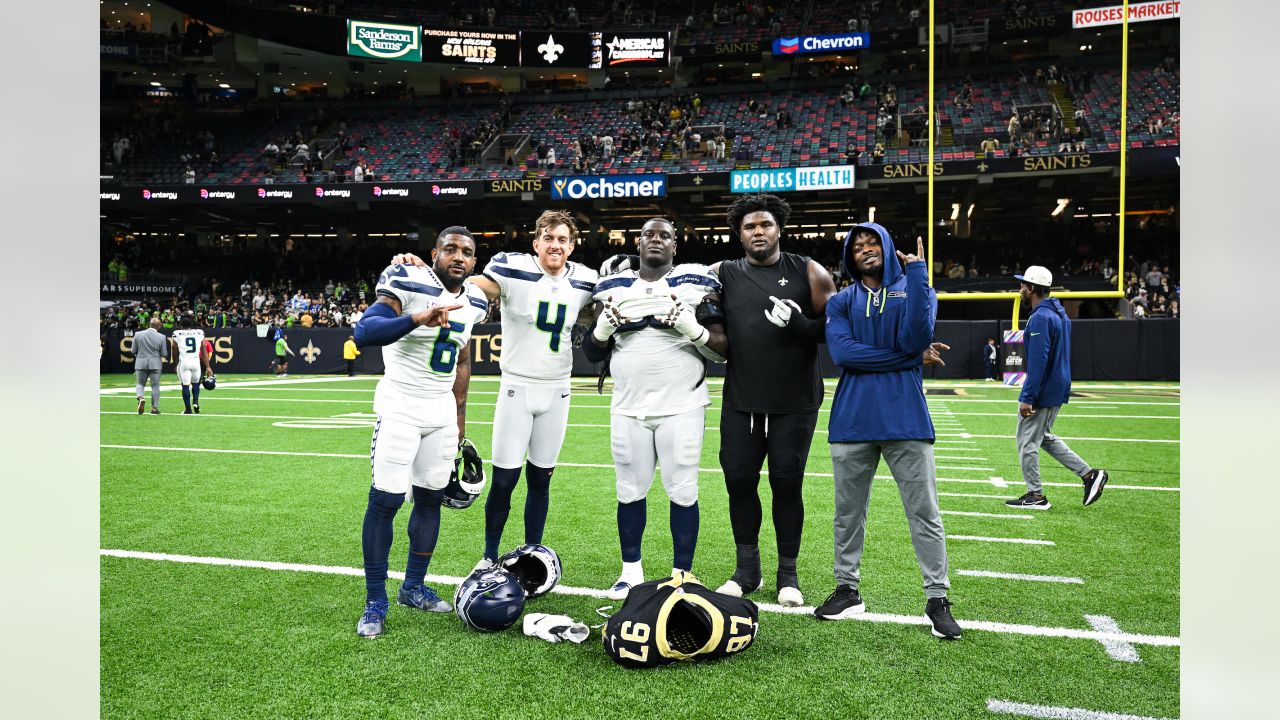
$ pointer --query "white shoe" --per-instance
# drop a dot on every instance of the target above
(622, 587)
(484, 564)
(733, 589)
(790, 597)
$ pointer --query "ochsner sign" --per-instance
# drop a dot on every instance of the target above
(383, 41)
(1138, 12)
(609, 186)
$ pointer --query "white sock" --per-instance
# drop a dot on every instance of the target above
(632, 572)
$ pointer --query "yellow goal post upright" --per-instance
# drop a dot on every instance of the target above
(1124, 153)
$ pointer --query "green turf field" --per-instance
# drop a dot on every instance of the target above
(277, 471)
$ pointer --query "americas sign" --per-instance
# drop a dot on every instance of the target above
(609, 186)
(810, 44)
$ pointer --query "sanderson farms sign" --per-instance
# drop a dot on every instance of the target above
(383, 41)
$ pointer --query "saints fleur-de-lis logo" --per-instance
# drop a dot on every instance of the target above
(550, 49)
(309, 352)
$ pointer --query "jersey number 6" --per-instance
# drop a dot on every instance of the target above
(444, 354)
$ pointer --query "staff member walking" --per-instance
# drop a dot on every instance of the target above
(989, 355)
(349, 353)
(150, 351)
(1046, 388)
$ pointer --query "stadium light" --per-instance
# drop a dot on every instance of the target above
(1062, 205)
(971, 207)
(224, 86)
(871, 214)
(155, 84)
(955, 211)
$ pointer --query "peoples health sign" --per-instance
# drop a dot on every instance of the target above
(384, 42)
(832, 177)
(809, 44)
(609, 186)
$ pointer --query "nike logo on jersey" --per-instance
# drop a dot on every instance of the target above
(1034, 334)
(564, 396)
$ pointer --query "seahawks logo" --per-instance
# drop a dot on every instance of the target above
(897, 294)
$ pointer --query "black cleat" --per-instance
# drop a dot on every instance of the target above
(196, 407)
(1031, 501)
(842, 604)
(938, 612)
(1094, 482)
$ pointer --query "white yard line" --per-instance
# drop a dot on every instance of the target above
(1002, 516)
(1116, 650)
(1079, 415)
(944, 457)
(1013, 402)
(1007, 707)
(240, 384)
(1016, 541)
(1019, 576)
(1064, 437)
(981, 625)
(972, 495)
(365, 456)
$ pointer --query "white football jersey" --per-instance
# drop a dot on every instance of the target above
(189, 341)
(656, 370)
(538, 314)
(423, 363)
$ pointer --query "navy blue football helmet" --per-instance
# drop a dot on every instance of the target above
(536, 567)
(489, 600)
(467, 480)
(209, 382)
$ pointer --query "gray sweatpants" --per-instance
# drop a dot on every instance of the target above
(911, 462)
(1033, 434)
(142, 377)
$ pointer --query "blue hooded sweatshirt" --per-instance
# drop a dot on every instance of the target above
(878, 338)
(1048, 349)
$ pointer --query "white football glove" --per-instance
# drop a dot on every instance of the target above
(638, 307)
(685, 321)
(615, 264)
(780, 313)
(554, 628)
(608, 322)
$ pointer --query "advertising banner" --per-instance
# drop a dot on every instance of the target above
(1013, 357)
(117, 50)
(812, 44)
(471, 47)
(745, 51)
(514, 186)
(636, 49)
(1114, 15)
(383, 41)
(608, 186)
(140, 289)
(832, 177)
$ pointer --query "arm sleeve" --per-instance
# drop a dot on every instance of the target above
(381, 326)
(852, 355)
(594, 351)
(916, 331)
(1037, 359)
(807, 328)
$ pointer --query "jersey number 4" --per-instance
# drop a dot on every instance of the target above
(444, 354)
(554, 328)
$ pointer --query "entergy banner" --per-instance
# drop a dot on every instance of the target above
(1114, 15)
(383, 41)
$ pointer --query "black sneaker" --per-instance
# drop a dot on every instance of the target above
(1032, 501)
(938, 612)
(842, 604)
(142, 405)
(1094, 482)
(196, 407)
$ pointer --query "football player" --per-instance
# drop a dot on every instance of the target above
(542, 296)
(424, 316)
(649, 318)
(192, 358)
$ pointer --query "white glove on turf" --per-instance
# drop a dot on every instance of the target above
(554, 628)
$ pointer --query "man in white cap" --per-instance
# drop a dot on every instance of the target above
(1045, 390)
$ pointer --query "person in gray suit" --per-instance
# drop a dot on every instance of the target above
(150, 350)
